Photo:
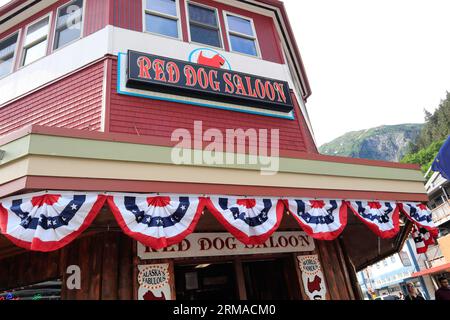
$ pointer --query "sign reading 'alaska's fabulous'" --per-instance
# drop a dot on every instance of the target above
(147, 71)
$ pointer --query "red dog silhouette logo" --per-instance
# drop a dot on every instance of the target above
(150, 296)
(216, 61)
(209, 58)
(315, 284)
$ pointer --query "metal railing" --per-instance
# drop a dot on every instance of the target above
(441, 213)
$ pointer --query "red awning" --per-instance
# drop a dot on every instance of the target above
(438, 269)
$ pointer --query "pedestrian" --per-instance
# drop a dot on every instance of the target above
(413, 293)
(443, 293)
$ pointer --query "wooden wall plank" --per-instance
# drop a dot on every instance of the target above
(125, 267)
(110, 267)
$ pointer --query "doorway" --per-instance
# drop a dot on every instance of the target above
(215, 281)
(262, 279)
(270, 280)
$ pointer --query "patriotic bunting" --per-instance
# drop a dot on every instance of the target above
(422, 239)
(321, 219)
(47, 222)
(381, 217)
(420, 215)
(252, 221)
(156, 221)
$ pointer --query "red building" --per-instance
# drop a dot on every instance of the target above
(96, 99)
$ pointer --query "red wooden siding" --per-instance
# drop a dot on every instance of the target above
(128, 14)
(142, 116)
(72, 102)
(96, 15)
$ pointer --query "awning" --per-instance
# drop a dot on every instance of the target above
(438, 269)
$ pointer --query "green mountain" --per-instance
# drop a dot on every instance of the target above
(388, 143)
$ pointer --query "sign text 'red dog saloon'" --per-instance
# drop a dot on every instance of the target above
(146, 71)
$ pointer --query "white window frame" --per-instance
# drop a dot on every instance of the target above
(242, 35)
(146, 11)
(56, 21)
(188, 20)
(22, 49)
(16, 50)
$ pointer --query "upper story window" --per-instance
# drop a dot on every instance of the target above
(241, 34)
(69, 23)
(204, 25)
(36, 39)
(161, 16)
(7, 54)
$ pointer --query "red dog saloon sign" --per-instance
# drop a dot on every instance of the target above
(151, 72)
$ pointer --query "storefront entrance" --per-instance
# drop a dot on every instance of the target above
(265, 279)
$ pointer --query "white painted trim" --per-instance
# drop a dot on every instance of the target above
(83, 14)
(16, 50)
(219, 25)
(178, 19)
(104, 94)
(254, 38)
(50, 20)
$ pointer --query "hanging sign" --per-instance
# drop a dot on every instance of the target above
(154, 282)
(157, 73)
(224, 244)
(312, 276)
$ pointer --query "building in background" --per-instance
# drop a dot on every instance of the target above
(422, 268)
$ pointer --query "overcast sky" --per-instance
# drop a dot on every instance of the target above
(371, 62)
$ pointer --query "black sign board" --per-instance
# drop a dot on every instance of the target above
(151, 72)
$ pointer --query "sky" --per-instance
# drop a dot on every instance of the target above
(371, 62)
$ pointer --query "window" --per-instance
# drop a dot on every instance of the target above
(242, 35)
(35, 45)
(385, 263)
(161, 16)
(393, 259)
(204, 25)
(7, 53)
(69, 23)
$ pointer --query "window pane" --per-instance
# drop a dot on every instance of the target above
(202, 15)
(243, 45)
(163, 6)
(37, 31)
(7, 48)
(240, 25)
(5, 66)
(68, 24)
(205, 35)
(161, 25)
(35, 52)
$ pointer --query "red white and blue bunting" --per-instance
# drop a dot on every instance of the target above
(47, 222)
(420, 215)
(381, 217)
(156, 221)
(252, 221)
(321, 219)
(422, 239)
